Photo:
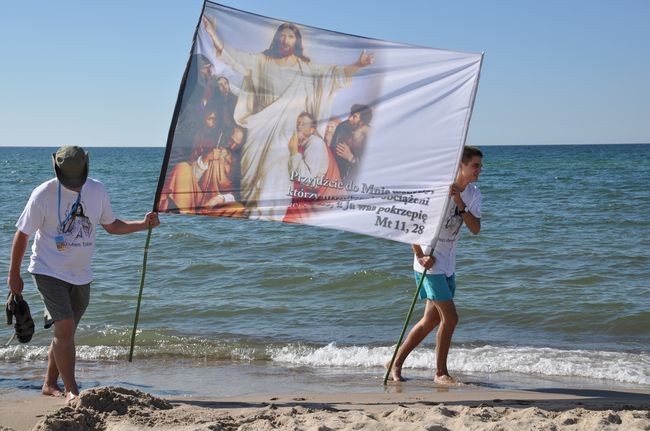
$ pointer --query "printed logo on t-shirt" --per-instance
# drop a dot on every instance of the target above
(77, 228)
(452, 225)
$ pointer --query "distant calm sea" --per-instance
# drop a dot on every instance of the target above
(555, 286)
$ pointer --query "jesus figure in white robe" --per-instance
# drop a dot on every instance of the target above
(279, 84)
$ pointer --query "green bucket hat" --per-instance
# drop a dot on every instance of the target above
(71, 166)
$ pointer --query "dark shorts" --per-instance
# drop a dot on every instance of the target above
(62, 300)
(437, 287)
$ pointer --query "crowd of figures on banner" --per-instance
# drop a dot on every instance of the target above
(206, 152)
(259, 153)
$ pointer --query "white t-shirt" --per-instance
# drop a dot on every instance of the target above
(70, 261)
(445, 252)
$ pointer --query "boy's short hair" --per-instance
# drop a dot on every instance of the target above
(469, 152)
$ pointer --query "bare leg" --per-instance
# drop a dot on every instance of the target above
(63, 350)
(50, 385)
(448, 322)
(430, 320)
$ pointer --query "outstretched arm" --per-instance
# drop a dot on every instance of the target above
(365, 59)
(119, 227)
(211, 28)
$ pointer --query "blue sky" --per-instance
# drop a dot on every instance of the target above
(95, 73)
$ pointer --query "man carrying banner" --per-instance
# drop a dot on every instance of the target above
(63, 213)
(279, 84)
(440, 282)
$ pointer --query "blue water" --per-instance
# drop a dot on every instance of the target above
(556, 283)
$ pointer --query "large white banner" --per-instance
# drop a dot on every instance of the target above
(285, 122)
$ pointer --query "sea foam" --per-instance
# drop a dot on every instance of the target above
(618, 366)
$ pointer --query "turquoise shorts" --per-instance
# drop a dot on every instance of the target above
(437, 287)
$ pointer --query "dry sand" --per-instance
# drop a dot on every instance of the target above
(115, 408)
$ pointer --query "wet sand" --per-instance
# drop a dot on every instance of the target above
(117, 408)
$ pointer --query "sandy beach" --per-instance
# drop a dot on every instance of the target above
(471, 408)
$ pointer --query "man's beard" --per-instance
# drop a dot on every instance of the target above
(286, 50)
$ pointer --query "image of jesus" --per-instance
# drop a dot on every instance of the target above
(279, 84)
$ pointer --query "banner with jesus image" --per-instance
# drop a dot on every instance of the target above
(284, 122)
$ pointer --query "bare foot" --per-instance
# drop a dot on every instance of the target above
(395, 373)
(52, 391)
(71, 398)
(447, 380)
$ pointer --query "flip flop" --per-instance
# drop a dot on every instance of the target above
(18, 308)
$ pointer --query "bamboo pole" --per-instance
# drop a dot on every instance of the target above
(137, 310)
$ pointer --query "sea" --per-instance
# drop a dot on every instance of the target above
(553, 292)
